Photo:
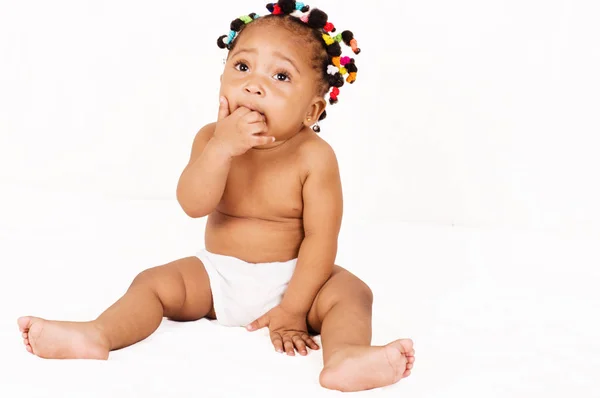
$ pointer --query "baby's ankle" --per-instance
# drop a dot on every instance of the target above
(101, 334)
(340, 348)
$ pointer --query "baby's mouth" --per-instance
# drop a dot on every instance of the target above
(252, 109)
(255, 110)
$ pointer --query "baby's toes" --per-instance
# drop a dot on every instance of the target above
(24, 323)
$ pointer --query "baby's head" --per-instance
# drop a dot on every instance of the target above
(283, 64)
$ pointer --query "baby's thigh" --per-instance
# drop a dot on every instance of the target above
(183, 288)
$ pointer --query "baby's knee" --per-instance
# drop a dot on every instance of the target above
(362, 290)
(353, 289)
(167, 284)
(147, 278)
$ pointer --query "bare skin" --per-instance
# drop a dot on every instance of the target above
(264, 213)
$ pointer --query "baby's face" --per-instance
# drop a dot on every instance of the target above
(269, 71)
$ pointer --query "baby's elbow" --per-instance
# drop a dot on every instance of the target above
(193, 212)
(187, 207)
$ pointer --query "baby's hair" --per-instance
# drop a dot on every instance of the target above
(297, 16)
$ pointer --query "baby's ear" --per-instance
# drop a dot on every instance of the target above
(314, 111)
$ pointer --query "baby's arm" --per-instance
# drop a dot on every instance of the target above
(322, 195)
(203, 180)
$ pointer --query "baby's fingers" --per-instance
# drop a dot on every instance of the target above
(277, 342)
(262, 140)
(310, 342)
(289, 346)
(258, 134)
(223, 109)
(299, 343)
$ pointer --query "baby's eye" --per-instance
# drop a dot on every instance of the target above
(282, 76)
(242, 67)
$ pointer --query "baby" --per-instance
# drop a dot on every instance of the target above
(271, 189)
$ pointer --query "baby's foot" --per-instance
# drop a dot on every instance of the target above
(358, 368)
(63, 340)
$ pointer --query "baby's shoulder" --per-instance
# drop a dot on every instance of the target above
(313, 147)
(316, 154)
(207, 131)
(202, 137)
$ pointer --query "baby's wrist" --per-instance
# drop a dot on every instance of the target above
(291, 309)
(217, 145)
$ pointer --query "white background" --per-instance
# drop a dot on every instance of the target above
(468, 151)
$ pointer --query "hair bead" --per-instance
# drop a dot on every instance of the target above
(328, 39)
(333, 95)
(332, 69)
(350, 41)
(354, 46)
(302, 7)
(352, 70)
(230, 36)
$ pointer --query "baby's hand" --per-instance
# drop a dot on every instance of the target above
(241, 130)
(287, 330)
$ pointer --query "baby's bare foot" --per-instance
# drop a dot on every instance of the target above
(63, 340)
(358, 368)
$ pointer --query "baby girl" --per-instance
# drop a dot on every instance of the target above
(270, 186)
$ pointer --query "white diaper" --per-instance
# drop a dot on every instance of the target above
(242, 291)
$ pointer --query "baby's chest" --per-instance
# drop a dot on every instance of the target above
(269, 190)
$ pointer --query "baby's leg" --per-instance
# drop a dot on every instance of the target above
(179, 290)
(341, 312)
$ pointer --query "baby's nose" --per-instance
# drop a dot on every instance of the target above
(254, 89)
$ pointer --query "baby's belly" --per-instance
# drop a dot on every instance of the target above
(253, 240)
